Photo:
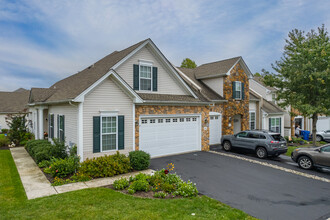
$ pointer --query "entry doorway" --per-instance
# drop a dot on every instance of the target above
(237, 123)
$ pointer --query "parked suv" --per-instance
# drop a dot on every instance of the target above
(310, 157)
(263, 143)
(323, 135)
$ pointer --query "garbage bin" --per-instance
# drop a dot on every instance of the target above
(305, 134)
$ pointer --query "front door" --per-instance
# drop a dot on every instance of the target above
(237, 124)
(215, 129)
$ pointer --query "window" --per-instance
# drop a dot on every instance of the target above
(145, 77)
(168, 120)
(252, 120)
(181, 119)
(175, 120)
(194, 119)
(61, 128)
(238, 90)
(51, 126)
(275, 125)
(152, 121)
(109, 133)
(160, 120)
(144, 121)
(187, 119)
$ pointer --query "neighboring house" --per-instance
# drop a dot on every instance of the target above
(134, 99)
(289, 122)
(265, 114)
(12, 103)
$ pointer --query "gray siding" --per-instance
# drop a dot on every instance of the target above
(70, 124)
(216, 84)
(166, 82)
(106, 97)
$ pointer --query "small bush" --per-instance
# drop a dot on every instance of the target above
(63, 167)
(120, 184)
(4, 141)
(80, 177)
(4, 130)
(59, 149)
(167, 187)
(44, 163)
(59, 181)
(186, 189)
(139, 185)
(160, 194)
(139, 160)
(106, 166)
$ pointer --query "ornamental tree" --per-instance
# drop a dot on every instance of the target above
(188, 63)
(302, 74)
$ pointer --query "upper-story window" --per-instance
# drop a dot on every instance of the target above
(145, 77)
(273, 97)
(238, 90)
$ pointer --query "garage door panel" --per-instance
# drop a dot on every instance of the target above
(174, 135)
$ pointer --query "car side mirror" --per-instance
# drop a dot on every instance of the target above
(318, 150)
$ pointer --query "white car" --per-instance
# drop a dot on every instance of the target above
(323, 135)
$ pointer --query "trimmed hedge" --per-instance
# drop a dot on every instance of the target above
(140, 160)
(106, 166)
(43, 150)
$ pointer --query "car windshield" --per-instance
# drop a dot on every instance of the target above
(277, 137)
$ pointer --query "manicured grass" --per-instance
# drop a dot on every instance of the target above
(292, 148)
(2, 136)
(100, 203)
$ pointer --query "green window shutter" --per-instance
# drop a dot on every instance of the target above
(243, 95)
(53, 124)
(58, 126)
(49, 129)
(280, 125)
(136, 77)
(121, 132)
(234, 90)
(154, 78)
(270, 123)
(96, 134)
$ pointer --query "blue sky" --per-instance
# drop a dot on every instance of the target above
(44, 41)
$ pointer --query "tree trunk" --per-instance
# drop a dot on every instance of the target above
(314, 128)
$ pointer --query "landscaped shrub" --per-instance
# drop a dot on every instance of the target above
(106, 166)
(4, 131)
(18, 127)
(4, 141)
(139, 185)
(120, 184)
(160, 194)
(59, 149)
(186, 189)
(139, 160)
(63, 167)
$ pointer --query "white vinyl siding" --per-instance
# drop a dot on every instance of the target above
(71, 121)
(106, 97)
(3, 124)
(216, 84)
(167, 84)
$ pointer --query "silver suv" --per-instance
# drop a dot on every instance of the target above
(323, 135)
(264, 143)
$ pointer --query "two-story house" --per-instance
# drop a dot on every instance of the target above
(135, 99)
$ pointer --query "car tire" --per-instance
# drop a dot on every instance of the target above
(261, 152)
(319, 138)
(227, 146)
(305, 162)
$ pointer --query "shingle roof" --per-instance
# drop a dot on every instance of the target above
(218, 68)
(271, 107)
(73, 85)
(259, 80)
(40, 94)
(205, 92)
(14, 102)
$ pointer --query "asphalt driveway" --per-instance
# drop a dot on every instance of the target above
(258, 190)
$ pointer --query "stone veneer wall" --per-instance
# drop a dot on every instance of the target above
(171, 110)
(234, 107)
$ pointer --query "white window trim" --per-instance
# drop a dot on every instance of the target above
(151, 73)
(104, 115)
(240, 91)
(279, 124)
(251, 120)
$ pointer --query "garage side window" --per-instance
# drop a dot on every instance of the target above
(252, 120)
(108, 133)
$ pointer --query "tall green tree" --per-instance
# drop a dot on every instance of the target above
(303, 74)
(188, 63)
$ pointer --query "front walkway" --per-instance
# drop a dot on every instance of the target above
(36, 184)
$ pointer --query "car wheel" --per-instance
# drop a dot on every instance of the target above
(261, 152)
(227, 146)
(305, 162)
(318, 138)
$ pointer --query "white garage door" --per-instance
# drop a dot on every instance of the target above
(161, 136)
(215, 129)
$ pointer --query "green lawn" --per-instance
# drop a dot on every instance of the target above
(100, 203)
(292, 148)
(2, 136)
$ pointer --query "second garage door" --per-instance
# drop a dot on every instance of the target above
(162, 136)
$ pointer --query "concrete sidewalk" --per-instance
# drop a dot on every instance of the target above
(36, 184)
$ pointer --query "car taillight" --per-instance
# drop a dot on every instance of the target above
(274, 142)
